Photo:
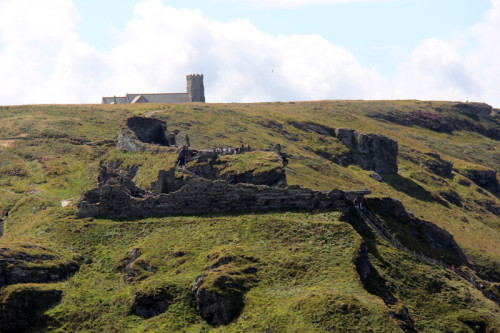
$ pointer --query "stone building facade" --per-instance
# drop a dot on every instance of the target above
(195, 92)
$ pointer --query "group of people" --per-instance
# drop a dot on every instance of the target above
(359, 204)
(34, 209)
(150, 194)
(231, 150)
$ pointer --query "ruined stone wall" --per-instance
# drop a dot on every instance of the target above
(148, 134)
(201, 196)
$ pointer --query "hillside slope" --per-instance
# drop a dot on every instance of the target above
(272, 271)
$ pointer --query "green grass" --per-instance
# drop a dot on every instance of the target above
(255, 162)
(306, 281)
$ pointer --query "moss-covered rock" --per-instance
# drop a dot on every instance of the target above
(22, 306)
(220, 292)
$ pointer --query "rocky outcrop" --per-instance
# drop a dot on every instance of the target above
(370, 151)
(23, 307)
(31, 264)
(475, 110)
(433, 241)
(438, 166)
(134, 268)
(429, 120)
(483, 177)
(200, 196)
(148, 134)
(489, 205)
(452, 196)
(448, 122)
(151, 304)
(389, 207)
(220, 293)
(22, 267)
(362, 264)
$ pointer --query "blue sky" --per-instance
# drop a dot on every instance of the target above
(377, 33)
(260, 50)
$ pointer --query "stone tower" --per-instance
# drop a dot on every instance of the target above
(195, 89)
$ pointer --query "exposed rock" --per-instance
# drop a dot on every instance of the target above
(370, 151)
(453, 197)
(148, 134)
(22, 308)
(375, 176)
(218, 307)
(151, 305)
(489, 206)
(203, 196)
(220, 293)
(389, 207)
(135, 269)
(436, 237)
(475, 110)
(483, 177)
(404, 316)
(362, 264)
(432, 161)
(464, 182)
(430, 236)
(437, 165)
(429, 120)
(33, 264)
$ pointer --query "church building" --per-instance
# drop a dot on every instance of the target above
(195, 92)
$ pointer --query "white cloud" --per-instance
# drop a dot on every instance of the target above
(43, 60)
(436, 70)
(454, 70)
(293, 3)
(159, 46)
(242, 63)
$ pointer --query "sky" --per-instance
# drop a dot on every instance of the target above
(77, 51)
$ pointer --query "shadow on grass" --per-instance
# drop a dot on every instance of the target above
(408, 186)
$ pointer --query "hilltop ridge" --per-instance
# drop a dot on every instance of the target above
(434, 190)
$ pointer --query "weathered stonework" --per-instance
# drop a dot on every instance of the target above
(200, 196)
(148, 134)
(195, 92)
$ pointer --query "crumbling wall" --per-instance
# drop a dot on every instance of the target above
(147, 134)
(201, 196)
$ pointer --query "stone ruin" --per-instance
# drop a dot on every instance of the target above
(203, 189)
(147, 134)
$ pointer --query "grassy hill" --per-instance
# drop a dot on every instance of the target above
(304, 263)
